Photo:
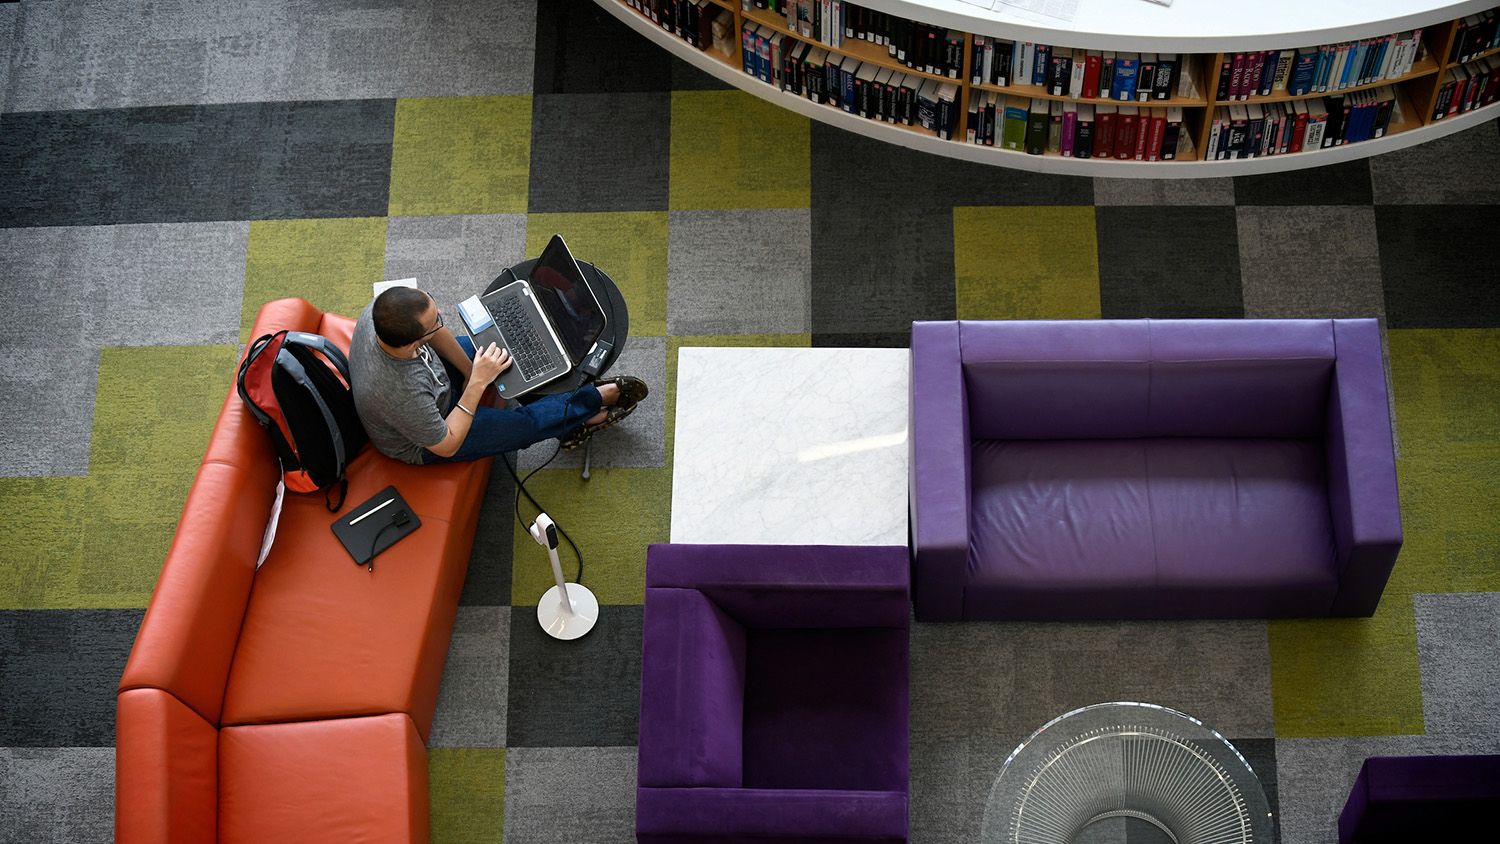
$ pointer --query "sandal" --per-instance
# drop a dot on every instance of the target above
(632, 389)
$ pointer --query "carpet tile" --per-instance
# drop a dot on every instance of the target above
(57, 794)
(877, 273)
(1445, 171)
(613, 516)
(635, 443)
(734, 150)
(453, 257)
(331, 263)
(757, 281)
(577, 695)
(1346, 183)
(599, 152)
(1456, 638)
(582, 49)
(195, 163)
(1163, 191)
(466, 786)
(9, 15)
(1025, 263)
(460, 155)
(488, 581)
(593, 787)
(1428, 261)
(58, 672)
(46, 409)
(1137, 278)
(630, 246)
(864, 340)
(1309, 261)
(471, 700)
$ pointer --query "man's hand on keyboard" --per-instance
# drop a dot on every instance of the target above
(489, 363)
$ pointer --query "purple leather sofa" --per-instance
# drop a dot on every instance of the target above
(774, 694)
(1111, 469)
(1422, 798)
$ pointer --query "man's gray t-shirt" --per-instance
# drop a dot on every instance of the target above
(400, 402)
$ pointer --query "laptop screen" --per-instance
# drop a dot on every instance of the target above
(564, 294)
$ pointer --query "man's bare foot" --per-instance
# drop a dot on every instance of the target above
(596, 418)
(610, 393)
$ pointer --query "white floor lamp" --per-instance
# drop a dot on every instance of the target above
(567, 610)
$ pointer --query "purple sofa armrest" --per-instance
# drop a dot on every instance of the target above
(679, 816)
(786, 586)
(692, 692)
(1362, 494)
(1420, 798)
(938, 477)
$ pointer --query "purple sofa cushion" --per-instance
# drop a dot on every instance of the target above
(826, 709)
(1135, 528)
(1421, 798)
(690, 734)
(745, 816)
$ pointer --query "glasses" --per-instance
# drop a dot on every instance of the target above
(439, 325)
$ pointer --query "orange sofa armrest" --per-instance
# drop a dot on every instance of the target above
(166, 770)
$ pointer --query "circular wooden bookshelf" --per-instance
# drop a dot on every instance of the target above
(1132, 26)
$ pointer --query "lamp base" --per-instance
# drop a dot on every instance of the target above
(561, 624)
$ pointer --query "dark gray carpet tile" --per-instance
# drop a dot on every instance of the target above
(488, 580)
(58, 673)
(1260, 753)
(1347, 183)
(867, 340)
(9, 14)
(1437, 264)
(1461, 168)
(1168, 262)
(584, 693)
(582, 49)
(196, 163)
(855, 174)
(471, 699)
(57, 794)
(600, 152)
(875, 268)
(685, 77)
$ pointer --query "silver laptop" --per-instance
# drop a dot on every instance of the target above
(548, 322)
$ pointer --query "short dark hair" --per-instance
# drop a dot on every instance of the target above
(398, 315)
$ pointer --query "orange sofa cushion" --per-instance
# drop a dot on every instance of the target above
(166, 770)
(351, 779)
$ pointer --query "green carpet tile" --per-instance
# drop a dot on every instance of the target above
(164, 173)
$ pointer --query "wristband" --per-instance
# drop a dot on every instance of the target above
(460, 406)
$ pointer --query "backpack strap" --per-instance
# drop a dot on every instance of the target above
(293, 367)
(319, 343)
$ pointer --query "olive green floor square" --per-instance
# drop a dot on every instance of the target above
(1026, 263)
(99, 541)
(466, 793)
(613, 517)
(461, 155)
(734, 150)
(331, 263)
(629, 246)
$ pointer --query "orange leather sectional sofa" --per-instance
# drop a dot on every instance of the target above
(292, 703)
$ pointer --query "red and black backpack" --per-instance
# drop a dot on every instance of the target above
(307, 407)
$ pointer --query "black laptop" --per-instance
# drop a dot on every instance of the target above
(549, 321)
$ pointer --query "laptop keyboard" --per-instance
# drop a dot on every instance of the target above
(526, 348)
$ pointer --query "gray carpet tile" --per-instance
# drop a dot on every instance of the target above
(1004, 681)
(951, 780)
(599, 152)
(1458, 640)
(1310, 261)
(584, 693)
(58, 671)
(757, 282)
(875, 273)
(1461, 169)
(471, 699)
(859, 175)
(110, 55)
(196, 163)
(455, 257)
(587, 791)
(1346, 183)
(57, 794)
(46, 408)
(637, 442)
(10, 13)
(488, 579)
(1315, 775)
(1168, 262)
(1432, 262)
(1163, 191)
(582, 49)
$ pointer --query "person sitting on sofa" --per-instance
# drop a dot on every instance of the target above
(417, 389)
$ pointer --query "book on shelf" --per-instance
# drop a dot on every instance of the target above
(1040, 65)
(1054, 126)
(1083, 140)
(1091, 74)
(1036, 127)
(1104, 130)
(1013, 136)
(1127, 127)
(947, 94)
(1079, 69)
(1127, 65)
(1069, 128)
(1255, 130)
(1475, 35)
(1145, 77)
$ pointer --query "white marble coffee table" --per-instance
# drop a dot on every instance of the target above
(790, 446)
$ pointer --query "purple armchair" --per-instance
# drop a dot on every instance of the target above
(1399, 799)
(774, 694)
(1150, 469)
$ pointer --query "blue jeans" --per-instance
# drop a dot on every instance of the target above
(495, 431)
